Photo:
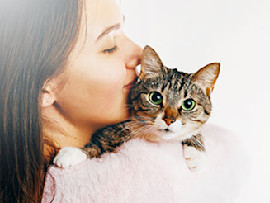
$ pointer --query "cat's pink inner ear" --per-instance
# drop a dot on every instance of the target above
(207, 76)
(151, 64)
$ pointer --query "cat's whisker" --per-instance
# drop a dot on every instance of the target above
(141, 133)
(142, 118)
(139, 125)
(137, 132)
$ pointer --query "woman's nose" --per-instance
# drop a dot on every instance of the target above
(134, 57)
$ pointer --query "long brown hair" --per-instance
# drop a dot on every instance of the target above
(35, 40)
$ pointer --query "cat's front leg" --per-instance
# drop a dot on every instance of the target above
(194, 152)
(69, 156)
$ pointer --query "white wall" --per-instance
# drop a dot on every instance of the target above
(188, 34)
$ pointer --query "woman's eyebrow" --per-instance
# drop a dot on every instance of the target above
(108, 30)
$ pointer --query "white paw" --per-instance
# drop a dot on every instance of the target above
(194, 158)
(69, 156)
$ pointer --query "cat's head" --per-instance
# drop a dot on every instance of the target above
(168, 104)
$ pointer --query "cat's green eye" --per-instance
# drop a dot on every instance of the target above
(156, 98)
(188, 105)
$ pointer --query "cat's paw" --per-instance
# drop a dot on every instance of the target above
(69, 156)
(195, 159)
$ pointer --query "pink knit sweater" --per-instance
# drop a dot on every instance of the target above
(147, 172)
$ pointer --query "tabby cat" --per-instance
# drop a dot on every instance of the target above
(165, 105)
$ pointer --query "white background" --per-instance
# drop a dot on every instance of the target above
(188, 34)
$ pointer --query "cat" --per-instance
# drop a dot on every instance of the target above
(165, 105)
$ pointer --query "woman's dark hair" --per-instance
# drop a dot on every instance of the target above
(35, 40)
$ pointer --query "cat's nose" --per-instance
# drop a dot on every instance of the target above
(168, 121)
(170, 115)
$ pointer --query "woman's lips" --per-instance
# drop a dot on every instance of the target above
(130, 84)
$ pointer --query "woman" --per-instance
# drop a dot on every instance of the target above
(65, 70)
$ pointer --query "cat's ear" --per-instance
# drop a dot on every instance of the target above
(206, 77)
(151, 65)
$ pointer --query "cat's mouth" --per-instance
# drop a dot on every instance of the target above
(166, 130)
(168, 135)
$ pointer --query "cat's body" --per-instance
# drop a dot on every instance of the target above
(165, 105)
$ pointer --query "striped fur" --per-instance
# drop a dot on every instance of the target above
(167, 121)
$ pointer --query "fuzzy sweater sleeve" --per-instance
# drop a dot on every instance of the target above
(147, 172)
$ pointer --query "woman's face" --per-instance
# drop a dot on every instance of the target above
(99, 68)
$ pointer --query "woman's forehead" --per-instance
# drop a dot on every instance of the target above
(99, 15)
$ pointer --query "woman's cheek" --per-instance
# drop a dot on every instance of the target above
(108, 104)
(109, 94)
(113, 90)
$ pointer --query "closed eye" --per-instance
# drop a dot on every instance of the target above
(111, 50)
